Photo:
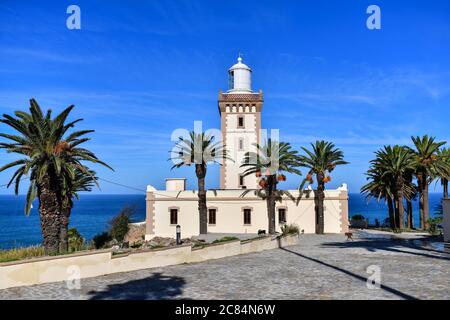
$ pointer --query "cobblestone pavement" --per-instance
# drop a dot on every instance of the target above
(320, 267)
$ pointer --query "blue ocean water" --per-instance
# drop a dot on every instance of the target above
(91, 214)
(372, 210)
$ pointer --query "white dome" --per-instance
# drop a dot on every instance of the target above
(240, 65)
(240, 78)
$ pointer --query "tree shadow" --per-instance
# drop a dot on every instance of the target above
(393, 246)
(155, 287)
(356, 276)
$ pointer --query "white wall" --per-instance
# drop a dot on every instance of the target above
(232, 135)
(229, 207)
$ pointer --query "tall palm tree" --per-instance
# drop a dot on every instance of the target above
(444, 154)
(409, 177)
(321, 161)
(80, 181)
(395, 163)
(199, 149)
(428, 165)
(49, 155)
(269, 162)
(380, 188)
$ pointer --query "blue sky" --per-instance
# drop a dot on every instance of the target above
(137, 70)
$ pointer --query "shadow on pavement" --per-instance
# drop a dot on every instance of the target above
(393, 246)
(157, 286)
(364, 279)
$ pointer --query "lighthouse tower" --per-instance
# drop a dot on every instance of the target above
(240, 113)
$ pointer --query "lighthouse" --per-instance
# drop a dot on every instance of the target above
(240, 113)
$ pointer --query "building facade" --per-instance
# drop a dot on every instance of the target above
(229, 209)
(240, 117)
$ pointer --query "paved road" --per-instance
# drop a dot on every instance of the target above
(321, 267)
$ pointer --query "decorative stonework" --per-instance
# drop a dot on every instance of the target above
(234, 105)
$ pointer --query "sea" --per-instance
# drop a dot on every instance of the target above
(92, 213)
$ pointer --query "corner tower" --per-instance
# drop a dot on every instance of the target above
(240, 113)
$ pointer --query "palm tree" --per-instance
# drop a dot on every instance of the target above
(321, 161)
(380, 187)
(395, 163)
(80, 181)
(428, 165)
(199, 149)
(49, 156)
(444, 154)
(413, 196)
(269, 162)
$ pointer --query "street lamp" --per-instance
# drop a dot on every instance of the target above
(178, 228)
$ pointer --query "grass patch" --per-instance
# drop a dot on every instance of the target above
(290, 229)
(225, 239)
(21, 253)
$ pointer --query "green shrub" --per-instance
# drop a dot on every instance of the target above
(119, 225)
(21, 253)
(433, 225)
(101, 239)
(290, 229)
(225, 239)
(137, 244)
(358, 217)
(75, 240)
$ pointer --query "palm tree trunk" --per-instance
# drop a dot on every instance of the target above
(400, 209)
(390, 204)
(271, 214)
(50, 214)
(200, 170)
(396, 212)
(271, 187)
(426, 208)
(319, 196)
(65, 214)
(409, 210)
(420, 184)
(445, 186)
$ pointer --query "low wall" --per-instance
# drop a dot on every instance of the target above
(102, 262)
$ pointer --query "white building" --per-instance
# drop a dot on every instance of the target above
(228, 211)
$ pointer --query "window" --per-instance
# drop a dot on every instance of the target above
(231, 80)
(241, 144)
(282, 215)
(240, 121)
(241, 180)
(173, 216)
(247, 216)
(212, 216)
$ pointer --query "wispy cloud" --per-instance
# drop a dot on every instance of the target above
(23, 53)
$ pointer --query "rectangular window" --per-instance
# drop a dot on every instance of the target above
(247, 216)
(241, 144)
(212, 216)
(281, 215)
(173, 216)
(231, 80)
(240, 121)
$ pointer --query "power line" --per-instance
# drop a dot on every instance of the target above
(122, 185)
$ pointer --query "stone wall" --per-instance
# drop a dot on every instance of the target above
(102, 262)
